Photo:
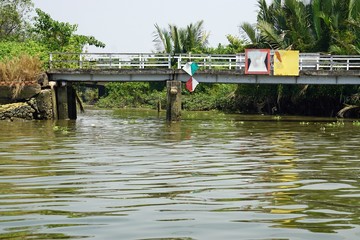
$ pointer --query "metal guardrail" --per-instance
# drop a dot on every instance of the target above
(307, 61)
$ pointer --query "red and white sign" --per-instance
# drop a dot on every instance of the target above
(257, 61)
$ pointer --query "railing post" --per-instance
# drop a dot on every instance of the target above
(50, 60)
(210, 63)
(348, 64)
(143, 58)
(179, 62)
(318, 63)
(140, 61)
(238, 62)
(80, 61)
(110, 58)
(169, 61)
(229, 63)
(331, 63)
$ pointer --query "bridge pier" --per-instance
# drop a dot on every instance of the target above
(101, 91)
(173, 108)
(65, 101)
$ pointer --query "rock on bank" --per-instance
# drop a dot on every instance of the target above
(34, 101)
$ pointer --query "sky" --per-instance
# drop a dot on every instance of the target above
(127, 26)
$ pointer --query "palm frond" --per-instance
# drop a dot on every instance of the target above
(263, 14)
(159, 38)
(316, 8)
(176, 38)
(271, 37)
(249, 32)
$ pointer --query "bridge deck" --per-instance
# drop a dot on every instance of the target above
(99, 68)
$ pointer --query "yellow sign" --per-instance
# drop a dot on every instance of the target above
(286, 63)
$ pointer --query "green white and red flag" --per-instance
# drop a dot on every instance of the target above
(191, 84)
(190, 68)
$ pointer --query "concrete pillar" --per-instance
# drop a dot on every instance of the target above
(173, 108)
(101, 91)
(54, 100)
(72, 102)
(66, 101)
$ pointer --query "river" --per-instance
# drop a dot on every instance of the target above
(128, 174)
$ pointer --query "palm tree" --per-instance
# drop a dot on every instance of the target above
(309, 26)
(163, 41)
(330, 26)
(181, 40)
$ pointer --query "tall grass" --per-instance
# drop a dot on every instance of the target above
(20, 71)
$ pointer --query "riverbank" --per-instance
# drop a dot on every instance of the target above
(32, 101)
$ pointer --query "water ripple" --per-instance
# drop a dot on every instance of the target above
(127, 175)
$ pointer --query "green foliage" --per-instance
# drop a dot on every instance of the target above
(88, 95)
(17, 49)
(236, 45)
(60, 36)
(149, 95)
(308, 26)
(46, 35)
(356, 123)
(335, 124)
(130, 94)
(14, 19)
(181, 40)
(210, 97)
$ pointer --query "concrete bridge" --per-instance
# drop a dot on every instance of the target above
(99, 68)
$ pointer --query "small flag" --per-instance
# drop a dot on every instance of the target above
(190, 68)
(191, 84)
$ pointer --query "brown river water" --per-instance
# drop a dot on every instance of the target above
(130, 175)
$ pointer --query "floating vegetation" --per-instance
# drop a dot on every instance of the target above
(356, 123)
(277, 118)
(63, 130)
(304, 123)
(336, 124)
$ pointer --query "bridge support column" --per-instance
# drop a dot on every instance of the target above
(101, 91)
(173, 108)
(66, 101)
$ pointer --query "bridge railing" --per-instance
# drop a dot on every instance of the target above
(307, 61)
(212, 61)
(110, 60)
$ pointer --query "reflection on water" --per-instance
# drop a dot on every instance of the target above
(130, 175)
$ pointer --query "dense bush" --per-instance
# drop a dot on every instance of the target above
(138, 94)
(206, 96)
(10, 49)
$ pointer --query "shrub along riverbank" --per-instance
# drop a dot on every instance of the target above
(304, 100)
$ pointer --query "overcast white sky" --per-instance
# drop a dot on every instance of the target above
(128, 25)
